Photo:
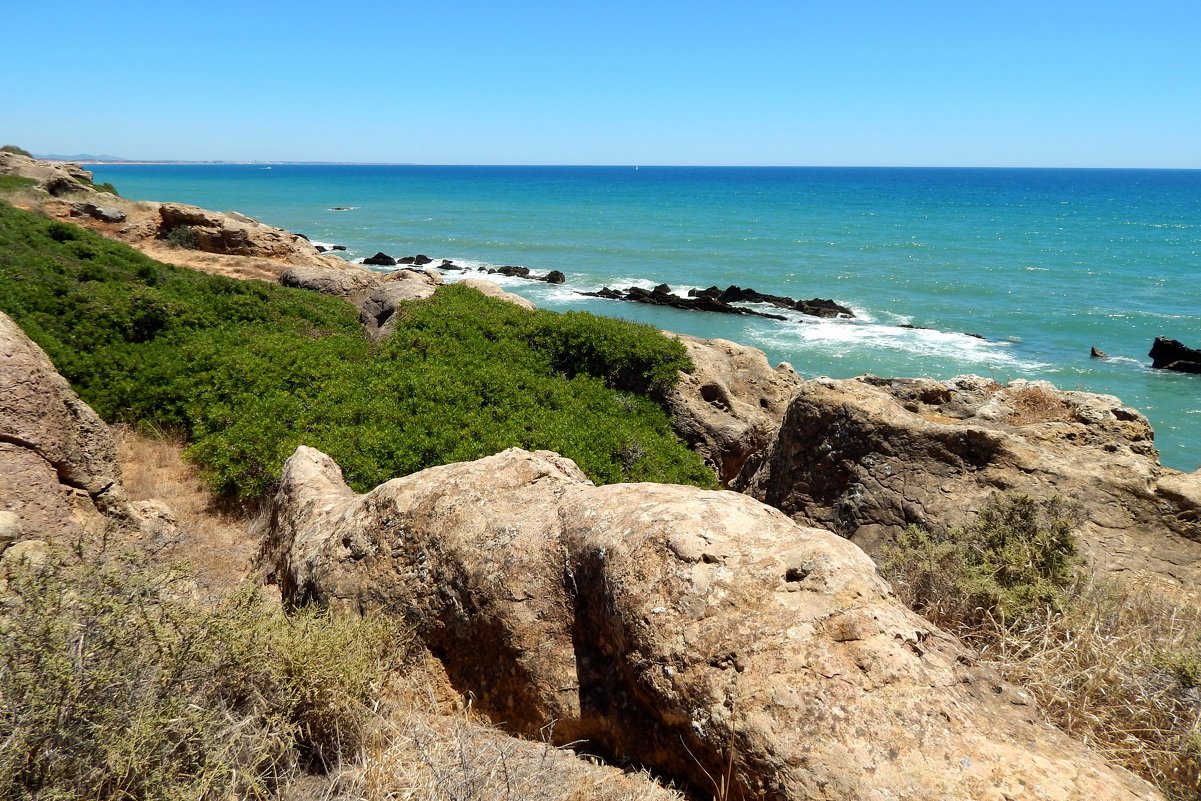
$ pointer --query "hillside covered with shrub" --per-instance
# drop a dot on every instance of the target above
(247, 371)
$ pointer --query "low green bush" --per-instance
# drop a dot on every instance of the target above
(15, 149)
(112, 689)
(247, 371)
(1013, 564)
(11, 183)
(182, 236)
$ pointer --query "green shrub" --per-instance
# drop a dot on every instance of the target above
(182, 236)
(106, 187)
(11, 183)
(1012, 564)
(247, 371)
(15, 149)
(111, 689)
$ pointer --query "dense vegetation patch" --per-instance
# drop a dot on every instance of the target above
(247, 371)
(15, 149)
(1115, 664)
(11, 183)
(1012, 564)
(110, 688)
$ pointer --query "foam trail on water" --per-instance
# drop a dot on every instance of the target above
(841, 337)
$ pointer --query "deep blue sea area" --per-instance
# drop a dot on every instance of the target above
(1044, 264)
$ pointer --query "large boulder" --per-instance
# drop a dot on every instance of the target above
(699, 633)
(234, 235)
(55, 178)
(377, 308)
(345, 281)
(58, 462)
(493, 290)
(867, 457)
(730, 406)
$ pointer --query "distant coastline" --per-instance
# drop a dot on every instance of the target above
(84, 159)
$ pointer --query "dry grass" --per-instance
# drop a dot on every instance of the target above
(454, 758)
(1120, 669)
(214, 540)
(1034, 404)
(1114, 662)
(420, 741)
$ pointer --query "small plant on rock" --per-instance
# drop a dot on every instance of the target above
(1013, 563)
(182, 236)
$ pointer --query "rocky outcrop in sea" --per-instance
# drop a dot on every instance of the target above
(722, 301)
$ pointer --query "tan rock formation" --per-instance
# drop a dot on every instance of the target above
(58, 463)
(378, 295)
(228, 244)
(700, 633)
(866, 457)
(55, 178)
(235, 235)
(493, 290)
(731, 405)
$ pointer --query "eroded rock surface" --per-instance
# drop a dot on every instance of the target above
(866, 457)
(731, 405)
(55, 178)
(58, 462)
(60, 478)
(700, 633)
(494, 290)
(378, 295)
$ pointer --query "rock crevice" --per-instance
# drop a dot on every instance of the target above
(690, 631)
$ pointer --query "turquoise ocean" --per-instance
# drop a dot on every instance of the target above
(1042, 263)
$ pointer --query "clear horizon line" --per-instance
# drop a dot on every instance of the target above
(629, 165)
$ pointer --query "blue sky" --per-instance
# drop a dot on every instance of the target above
(1090, 84)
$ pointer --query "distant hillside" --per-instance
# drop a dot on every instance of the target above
(78, 157)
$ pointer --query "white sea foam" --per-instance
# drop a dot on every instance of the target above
(841, 337)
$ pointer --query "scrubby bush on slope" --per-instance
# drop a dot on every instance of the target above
(248, 371)
(112, 689)
(1112, 663)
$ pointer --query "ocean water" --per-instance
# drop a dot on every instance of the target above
(1043, 264)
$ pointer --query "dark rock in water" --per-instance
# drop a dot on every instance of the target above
(341, 208)
(817, 307)
(1097, 353)
(421, 260)
(973, 335)
(380, 260)
(514, 272)
(338, 247)
(303, 236)
(321, 248)
(820, 307)
(554, 277)
(661, 296)
(1169, 354)
(447, 264)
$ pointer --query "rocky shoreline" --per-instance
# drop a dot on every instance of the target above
(694, 632)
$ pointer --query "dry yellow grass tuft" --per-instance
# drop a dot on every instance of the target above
(1034, 404)
(1120, 669)
(214, 540)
